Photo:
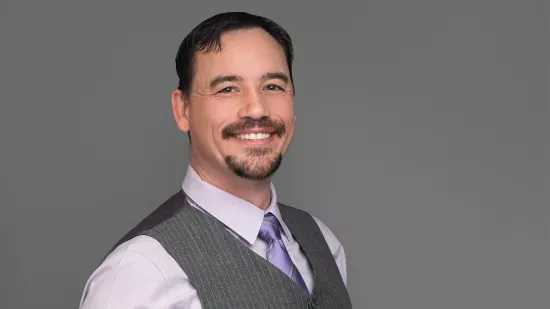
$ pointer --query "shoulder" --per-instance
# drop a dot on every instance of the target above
(331, 239)
(130, 275)
(333, 242)
(336, 248)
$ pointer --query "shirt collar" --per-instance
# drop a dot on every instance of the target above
(274, 209)
(242, 217)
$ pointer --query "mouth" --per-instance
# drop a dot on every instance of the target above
(255, 137)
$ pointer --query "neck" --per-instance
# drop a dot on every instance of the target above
(255, 192)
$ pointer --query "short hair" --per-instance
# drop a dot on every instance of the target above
(206, 37)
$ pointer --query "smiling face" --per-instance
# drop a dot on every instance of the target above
(240, 108)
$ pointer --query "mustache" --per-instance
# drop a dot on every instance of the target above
(278, 127)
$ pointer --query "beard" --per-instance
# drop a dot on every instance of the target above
(256, 165)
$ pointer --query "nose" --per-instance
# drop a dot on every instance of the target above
(254, 106)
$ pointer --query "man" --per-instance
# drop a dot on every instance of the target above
(224, 241)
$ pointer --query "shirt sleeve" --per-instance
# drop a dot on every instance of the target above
(336, 248)
(132, 276)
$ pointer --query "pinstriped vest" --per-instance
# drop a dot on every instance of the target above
(228, 275)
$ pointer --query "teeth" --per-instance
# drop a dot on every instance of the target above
(254, 136)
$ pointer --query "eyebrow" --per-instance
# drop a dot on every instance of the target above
(275, 75)
(235, 78)
(224, 78)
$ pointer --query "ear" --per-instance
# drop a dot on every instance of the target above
(180, 108)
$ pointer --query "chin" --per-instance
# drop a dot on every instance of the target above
(258, 167)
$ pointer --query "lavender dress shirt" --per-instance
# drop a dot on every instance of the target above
(141, 274)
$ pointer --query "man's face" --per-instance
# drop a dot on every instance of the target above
(240, 110)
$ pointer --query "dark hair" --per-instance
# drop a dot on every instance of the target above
(206, 36)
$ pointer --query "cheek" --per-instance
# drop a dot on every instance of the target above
(219, 116)
(281, 106)
(285, 112)
(202, 123)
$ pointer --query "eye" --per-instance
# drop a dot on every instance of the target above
(273, 87)
(227, 90)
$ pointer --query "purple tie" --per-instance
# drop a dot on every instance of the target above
(276, 251)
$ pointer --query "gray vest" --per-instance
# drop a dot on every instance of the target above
(227, 274)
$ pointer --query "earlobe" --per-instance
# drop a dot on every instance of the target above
(180, 110)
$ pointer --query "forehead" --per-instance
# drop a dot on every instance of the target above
(249, 53)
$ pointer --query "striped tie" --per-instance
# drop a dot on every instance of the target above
(276, 251)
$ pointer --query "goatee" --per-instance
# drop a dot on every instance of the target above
(254, 167)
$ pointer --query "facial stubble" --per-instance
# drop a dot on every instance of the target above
(254, 167)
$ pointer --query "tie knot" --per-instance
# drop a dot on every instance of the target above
(270, 229)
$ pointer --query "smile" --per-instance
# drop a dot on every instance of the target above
(254, 136)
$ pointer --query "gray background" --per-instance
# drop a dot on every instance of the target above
(422, 141)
